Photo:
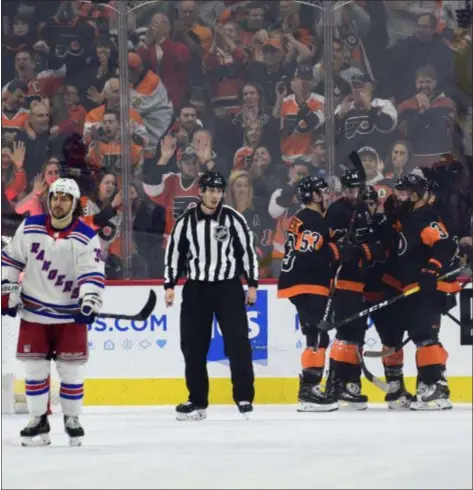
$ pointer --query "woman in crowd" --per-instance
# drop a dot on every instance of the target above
(265, 172)
(398, 160)
(252, 138)
(36, 201)
(103, 211)
(240, 196)
(13, 186)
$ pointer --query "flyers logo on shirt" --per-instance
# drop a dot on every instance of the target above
(181, 204)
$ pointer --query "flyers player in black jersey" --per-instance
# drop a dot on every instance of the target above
(425, 250)
(345, 368)
(436, 200)
(306, 271)
(387, 321)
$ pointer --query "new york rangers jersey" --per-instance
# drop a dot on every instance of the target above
(59, 267)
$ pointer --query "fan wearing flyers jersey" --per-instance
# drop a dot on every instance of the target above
(175, 191)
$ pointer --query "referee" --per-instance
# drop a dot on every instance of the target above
(213, 244)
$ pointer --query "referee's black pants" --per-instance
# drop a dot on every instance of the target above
(200, 300)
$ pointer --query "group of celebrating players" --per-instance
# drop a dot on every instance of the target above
(341, 258)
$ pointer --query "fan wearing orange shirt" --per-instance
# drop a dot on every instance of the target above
(13, 115)
(302, 114)
(105, 152)
(111, 97)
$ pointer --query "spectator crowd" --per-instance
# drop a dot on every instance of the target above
(234, 86)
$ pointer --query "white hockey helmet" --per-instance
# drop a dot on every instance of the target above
(66, 186)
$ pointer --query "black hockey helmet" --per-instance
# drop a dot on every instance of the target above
(308, 185)
(350, 179)
(412, 182)
(212, 179)
(369, 193)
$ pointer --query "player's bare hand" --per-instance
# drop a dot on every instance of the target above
(251, 296)
(169, 297)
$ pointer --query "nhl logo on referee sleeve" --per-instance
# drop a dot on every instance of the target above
(221, 233)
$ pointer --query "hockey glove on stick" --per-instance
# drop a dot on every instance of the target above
(11, 301)
(90, 306)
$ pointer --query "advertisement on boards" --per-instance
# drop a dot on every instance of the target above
(151, 349)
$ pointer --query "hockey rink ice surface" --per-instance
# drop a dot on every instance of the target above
(146, 447)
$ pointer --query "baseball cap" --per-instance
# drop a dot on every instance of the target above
(300, 161)
(134, 61)
(369, 150)
(360, 79)
(187, 153)
(304, 72)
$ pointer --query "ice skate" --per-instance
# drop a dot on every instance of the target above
(245, 408)
(348, 394)
(313, 399)
(350, 397)
(432, 397)
(190, 411)
(74, 430)
(398, 398)
(36, 433)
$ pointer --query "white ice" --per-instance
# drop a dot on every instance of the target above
(277, 448)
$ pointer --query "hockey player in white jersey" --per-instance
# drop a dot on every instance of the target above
(61, 293)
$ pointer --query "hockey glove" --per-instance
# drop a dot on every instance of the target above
(373, 252)
(90, 307)
(349, 252)
(428, 280)
(11, 301)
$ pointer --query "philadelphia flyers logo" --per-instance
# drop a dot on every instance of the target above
(440, 230)
(402, 244)
(108, 232)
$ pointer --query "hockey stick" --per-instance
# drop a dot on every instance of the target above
(382, 385)
(330, 326)
(393, 350)
(387, 352)
(141, 316)
(355, 159)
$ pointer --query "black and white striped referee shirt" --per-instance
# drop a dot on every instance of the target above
(211, 248)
